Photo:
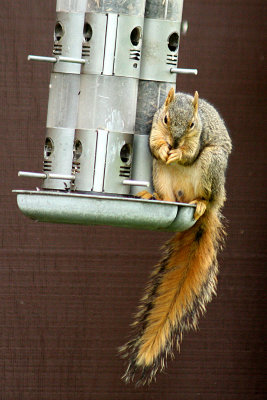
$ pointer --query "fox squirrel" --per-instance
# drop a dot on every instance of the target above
(190, 147)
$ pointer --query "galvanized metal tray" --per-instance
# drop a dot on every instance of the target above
(94, 209)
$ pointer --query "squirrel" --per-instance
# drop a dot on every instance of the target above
(190, 146)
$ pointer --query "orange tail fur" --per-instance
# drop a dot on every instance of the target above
(179, 289)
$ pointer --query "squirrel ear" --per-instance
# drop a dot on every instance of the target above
(195, 102)
(170, 97)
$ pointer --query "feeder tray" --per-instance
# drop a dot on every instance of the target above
(95, 209)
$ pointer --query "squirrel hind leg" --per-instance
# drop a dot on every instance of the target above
(144, 194)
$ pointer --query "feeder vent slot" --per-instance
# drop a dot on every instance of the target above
(135, 54)
(86, 50)
(47, 166)
(125, 171)
(172, 59)
(57, 49)
(76, 166)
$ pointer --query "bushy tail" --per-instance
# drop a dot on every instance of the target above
(179, 289)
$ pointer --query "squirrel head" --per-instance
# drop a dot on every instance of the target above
(180, 115)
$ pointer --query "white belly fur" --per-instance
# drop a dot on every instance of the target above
(176, 182)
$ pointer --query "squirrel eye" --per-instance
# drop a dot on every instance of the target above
(165, 119)
(192, 125)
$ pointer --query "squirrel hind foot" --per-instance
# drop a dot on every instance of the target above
(201, 206)
(144, 194)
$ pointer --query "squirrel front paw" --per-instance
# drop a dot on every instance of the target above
(163, 152)
(174, 155)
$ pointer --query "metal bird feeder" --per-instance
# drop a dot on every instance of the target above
(113, 64)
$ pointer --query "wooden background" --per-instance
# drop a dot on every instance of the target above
(67, 293)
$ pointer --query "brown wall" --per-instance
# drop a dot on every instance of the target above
(67, 293)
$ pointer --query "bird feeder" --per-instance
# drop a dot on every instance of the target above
(113, 64)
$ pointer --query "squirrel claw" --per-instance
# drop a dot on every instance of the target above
(201, 206)
(174, 155)
(163, 152)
